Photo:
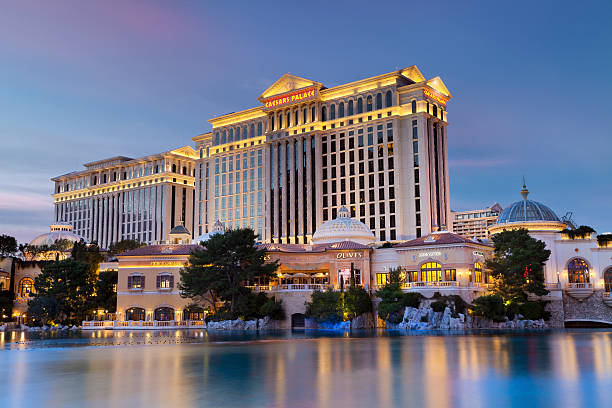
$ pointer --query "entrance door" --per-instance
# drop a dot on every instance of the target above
(297, 321)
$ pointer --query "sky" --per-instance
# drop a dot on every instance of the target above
(86, 80)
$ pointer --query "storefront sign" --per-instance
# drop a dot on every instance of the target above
(478, 253)
(166, 263)
(435, 96)
(290, 98)
(429, 254)
(349, 255)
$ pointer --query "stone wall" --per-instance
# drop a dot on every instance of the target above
(293, 302)
(591, 308)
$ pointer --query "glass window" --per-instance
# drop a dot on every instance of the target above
(324, 114)
(413, 104)
(26, 287)
(431, 272)
(379, 101)
(341, 110)
(450, 274)
(360, 105)
(350, 108)
(388, 99)
(164, 314)
(369, 103)
(608, 280)
(578, 271)
(135, 313)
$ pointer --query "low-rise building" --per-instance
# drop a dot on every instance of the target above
(474, 223)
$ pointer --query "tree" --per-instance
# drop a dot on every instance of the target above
(391, 306)
(106, 291)
(124, 245)
(88, 253)
(490, 307)
(223, 267)
(325, 306)
(69, 285)
(8, 246)
(517, 265)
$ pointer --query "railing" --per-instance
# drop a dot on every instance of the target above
(148, 324)
(584, 285)
(553, 286)
(302, 286)
(431, 284)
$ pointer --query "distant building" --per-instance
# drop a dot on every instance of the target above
(123, 198)
(475, 223)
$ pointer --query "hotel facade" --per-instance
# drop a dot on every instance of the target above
(124, 198)
(377, 146)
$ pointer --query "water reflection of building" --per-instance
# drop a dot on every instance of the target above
(341, 248)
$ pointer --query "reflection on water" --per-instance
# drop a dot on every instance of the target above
(196, 368)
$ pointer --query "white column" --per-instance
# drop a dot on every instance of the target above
(267, 182)
(309, 183)
(292, 197)
(276, 196)
(283, 173)
(300, 174)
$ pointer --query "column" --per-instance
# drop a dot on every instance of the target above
(275, 184)
(431, 192)
(267, 183)
(317, 182)
(309, 181)
(283, 177)
(292, 197)
(301, 186)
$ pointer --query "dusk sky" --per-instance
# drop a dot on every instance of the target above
(86, 80)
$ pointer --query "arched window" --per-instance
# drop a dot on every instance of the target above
(216, 138)
(435, 110)
(379, 101)
(272, 127)
(231, 135)
(259, 127)
(608, 280)
(323, 114)
(174, 168)
(312, 114)
(388, 99)
(164, 314)
(369, 103)
(350, 108)
(360, 105)
(280, 121)
(341, 110)
(193, 313)
(26, 287)
(237, 133)
(305, 116)
(252, 131)
(223, 137)
(135, 313)
(578, 271)
(478, 272)
(184, 170)
(332, 112)
(295, 117)
(431, 272)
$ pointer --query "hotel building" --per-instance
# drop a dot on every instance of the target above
(123, 198)
(377, 146)
(475, 223)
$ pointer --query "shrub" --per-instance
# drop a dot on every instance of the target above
(273, 309)
(534, 311)
(324, 306)
(412, 299)
(438, 305)
(490, 307)
(356, 302)
(512, 310)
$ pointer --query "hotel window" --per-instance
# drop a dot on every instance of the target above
(369, 103)
(341, 110)
(305, 114)
(323, 113)
(388, 99)
(332, 112)
(312, 114)
(382, 279)
(26, 287)
(478, 272)
(350, 108)
(360, 105)
(165, 281)
(450, 275)
(216, 138)
(578, 271)
(431, 272)
(135, 314)
(136, 282)
(413, 104)
(379, 101)
(608, 280)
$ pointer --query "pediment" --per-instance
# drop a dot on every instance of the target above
(437, 84)
(288, 83)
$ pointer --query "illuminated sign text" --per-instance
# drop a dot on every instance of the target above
(348, 255)
(431, 94)
(289, 98)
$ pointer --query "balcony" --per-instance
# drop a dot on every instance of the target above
(607, 298)
(290, 287)
(579, 291)
(142, 324)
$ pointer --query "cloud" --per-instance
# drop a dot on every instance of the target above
(24, 201)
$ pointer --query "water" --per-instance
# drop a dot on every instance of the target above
(192, 368)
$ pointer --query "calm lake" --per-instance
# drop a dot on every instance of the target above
(571, 368)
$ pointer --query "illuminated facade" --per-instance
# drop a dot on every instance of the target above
(377, 146)
(474, 223)
(123, 198)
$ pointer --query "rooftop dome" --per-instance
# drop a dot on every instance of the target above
(527, 212)
(343, 228)
(58, 230)
(218, 228)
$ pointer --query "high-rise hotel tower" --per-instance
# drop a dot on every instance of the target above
(377, 146)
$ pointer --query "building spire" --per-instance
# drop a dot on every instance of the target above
(524, 191)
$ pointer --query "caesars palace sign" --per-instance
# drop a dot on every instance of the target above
(290, 98)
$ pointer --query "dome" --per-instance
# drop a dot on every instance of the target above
(526, 213)
(58, 230)
(343, 228)
(218, 228)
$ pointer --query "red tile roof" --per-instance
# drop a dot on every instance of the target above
(336, 246)
(440, 238)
